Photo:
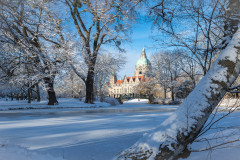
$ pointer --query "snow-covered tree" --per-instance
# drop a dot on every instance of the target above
(190, 69)
(98, 23)
(201, 32)
(160, 74)
(106, 65)
(166, 70)
(146, 89)
(172, 138)
(30, 29)
(69, 85)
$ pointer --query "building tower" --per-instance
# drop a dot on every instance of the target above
(143, 65)
(113, 78)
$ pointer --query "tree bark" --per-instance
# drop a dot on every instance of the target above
(38, 93)
(89, 86)
(52, 100)
(165, 92)
(171, 139)
(21, 95)
(172, 93)
(17, 96)
(11, 95)
(29, 93)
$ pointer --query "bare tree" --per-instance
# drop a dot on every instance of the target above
(106, 64)
(201, 32)
(166, 70)
(29, 27)
(97, 23)
(172, 138)
(190, 69)
(160, 73)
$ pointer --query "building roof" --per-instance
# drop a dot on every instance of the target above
(119, 81)
(128, 79)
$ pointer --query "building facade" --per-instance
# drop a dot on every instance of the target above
(127, 85)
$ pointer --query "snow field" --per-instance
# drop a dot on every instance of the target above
(100, 133)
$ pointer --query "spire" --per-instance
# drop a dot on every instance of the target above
(143, 55)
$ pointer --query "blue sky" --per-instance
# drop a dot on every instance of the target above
(140, 37)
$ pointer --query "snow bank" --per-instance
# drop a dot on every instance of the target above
(143, 101)
(12, 152)
(63, 103)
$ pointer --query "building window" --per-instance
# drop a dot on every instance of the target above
(125, 90)
(140, 72)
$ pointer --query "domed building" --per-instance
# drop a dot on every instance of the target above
(143, 65)
(126, 86)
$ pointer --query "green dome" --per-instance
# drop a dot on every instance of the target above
(142, 61)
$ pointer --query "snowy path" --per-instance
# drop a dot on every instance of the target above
(85, 134)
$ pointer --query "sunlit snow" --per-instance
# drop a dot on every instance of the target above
(86, 133)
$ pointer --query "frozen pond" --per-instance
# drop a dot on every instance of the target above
(81, 134)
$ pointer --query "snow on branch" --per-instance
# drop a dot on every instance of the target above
(183, 126)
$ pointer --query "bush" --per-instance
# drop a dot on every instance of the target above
(184, 89)
(111, 101)
(167, 101)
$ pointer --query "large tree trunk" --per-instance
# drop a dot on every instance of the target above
(171, 139)
(29, 93)
(165, 91)
(38, 93)
(173, 136)
(172, 93)
(89, 86)
(50, 89)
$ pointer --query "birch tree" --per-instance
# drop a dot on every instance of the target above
(174, 135)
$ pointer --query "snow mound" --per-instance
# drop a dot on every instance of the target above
(144, 101)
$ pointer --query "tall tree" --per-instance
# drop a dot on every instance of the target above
(200, 33)
(97, 23)
(106, 65)
(172, 138)
(29, 27)
(166, 69)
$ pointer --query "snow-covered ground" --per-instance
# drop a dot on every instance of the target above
(136, 101)
(95, 133)
(64, 103)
